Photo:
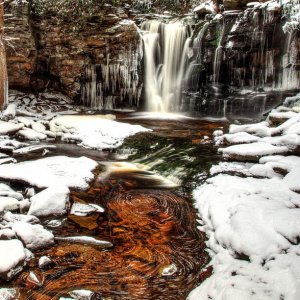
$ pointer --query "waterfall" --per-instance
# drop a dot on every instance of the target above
(218, 53)
(166, 51)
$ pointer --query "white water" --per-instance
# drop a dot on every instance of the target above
(166, 50)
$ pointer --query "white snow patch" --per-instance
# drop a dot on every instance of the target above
(51, 201)
(33, 236)
(258, 218)
(13, 256)
(52, 171)
(94, 132)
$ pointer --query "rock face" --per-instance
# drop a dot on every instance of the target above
(3, 75)
(21, 50)
(87, 52)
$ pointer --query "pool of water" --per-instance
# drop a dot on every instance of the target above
(145, 188)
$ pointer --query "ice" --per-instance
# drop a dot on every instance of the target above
(13, 256)
(33, 236)
(94, 132)
(51, 201)
(52, 171)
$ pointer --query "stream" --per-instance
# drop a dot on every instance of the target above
(145, 188)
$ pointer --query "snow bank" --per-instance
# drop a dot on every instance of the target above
(253, 226)
(253, 223)
(93, 131)
(52, 171)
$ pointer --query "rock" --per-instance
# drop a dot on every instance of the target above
(7, 234)
(79, 209)
(33, 236)
(12, 218)
(9, 128)
(25, 121)
(51, 201)
(9, 203)
(45, 262)
(32, 150)
(82, 294)
(252, 152)
(9, 113)
(85, 240)
(31, 135)
(169, 270)
(9, 293)
(13, 256)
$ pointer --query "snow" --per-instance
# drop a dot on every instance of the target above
(51, 201)
(31, 135)
(13, 256)
(95, 132)
(237, 138)
(9, 113)
(52, 171)
(8, 127)
(82, 210)
(260, 129)
(252, 151)
(9, 203)
(251, 213)
(44, 262)
(257, 218)
(8, 293)
(82, 294)
(33, 236)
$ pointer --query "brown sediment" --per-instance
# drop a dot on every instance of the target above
(150, 230)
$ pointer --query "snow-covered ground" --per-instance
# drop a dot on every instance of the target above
(251, 211)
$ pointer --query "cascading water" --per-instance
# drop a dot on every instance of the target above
(166, 47)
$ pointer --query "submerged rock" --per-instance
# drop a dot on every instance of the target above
(85, 240)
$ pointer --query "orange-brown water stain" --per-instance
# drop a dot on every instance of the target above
(150, 230)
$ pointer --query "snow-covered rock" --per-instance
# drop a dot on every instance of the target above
(33, 236)
(51, 201)
(8, 293)
(9, 113)
(9, 128)
(31, 135)
(44, 262)
(12, 254)
(94, 132)
(252, 152)
(82, 210)
(52, 171)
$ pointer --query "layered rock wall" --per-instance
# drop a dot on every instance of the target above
(3, 75)
(89, 53)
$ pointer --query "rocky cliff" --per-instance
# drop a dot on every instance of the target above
(89, 52)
